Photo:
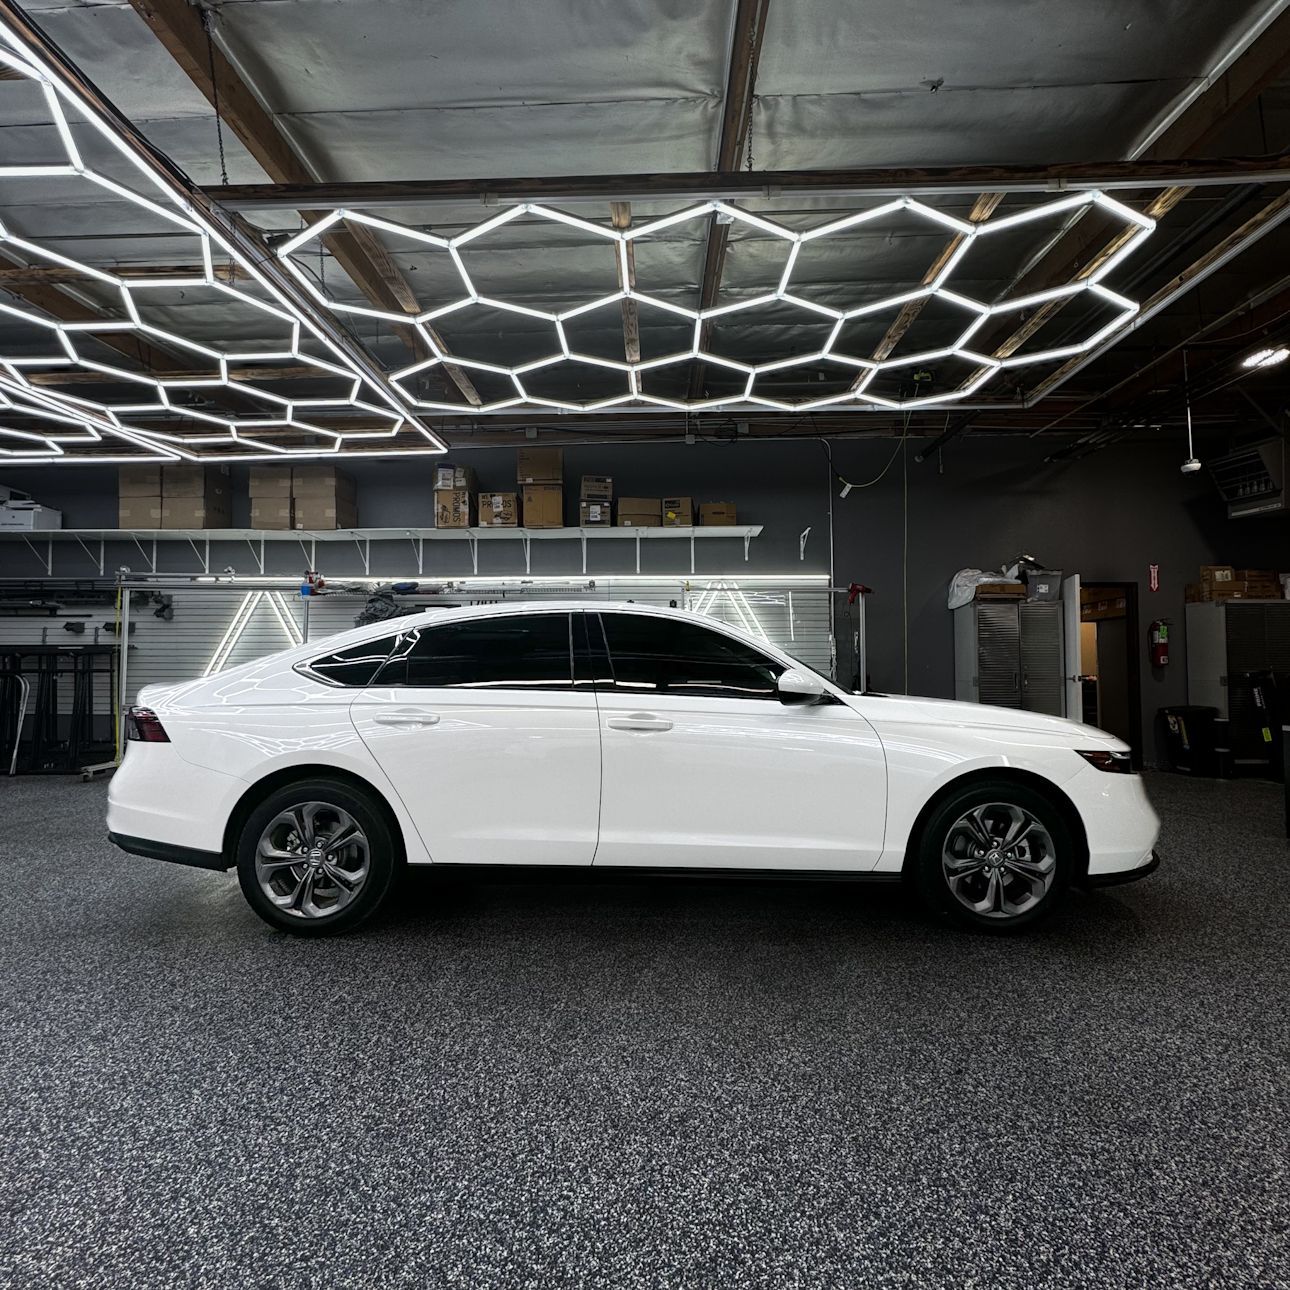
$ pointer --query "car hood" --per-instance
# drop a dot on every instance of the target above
(883, 709)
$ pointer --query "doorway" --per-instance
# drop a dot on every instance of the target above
(1109, 661)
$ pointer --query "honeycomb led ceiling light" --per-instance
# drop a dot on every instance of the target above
(41, 423)
(863, 370)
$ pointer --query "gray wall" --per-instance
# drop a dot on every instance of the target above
(1106, 517)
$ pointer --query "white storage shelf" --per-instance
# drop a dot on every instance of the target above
(197, 542)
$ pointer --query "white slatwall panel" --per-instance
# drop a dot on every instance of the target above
(794, 617)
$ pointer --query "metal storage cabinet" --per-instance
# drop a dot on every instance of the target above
(1012, 654)
(1227, 639)
(1238, 651)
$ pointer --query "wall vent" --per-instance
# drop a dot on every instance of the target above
(1251, 479)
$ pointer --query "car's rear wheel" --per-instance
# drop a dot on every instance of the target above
(316, 857)
(995, 855)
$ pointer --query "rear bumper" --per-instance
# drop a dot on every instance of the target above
(158, 796)
(169, 851)
(1125, 875)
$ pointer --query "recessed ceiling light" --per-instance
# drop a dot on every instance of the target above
(1266, 357)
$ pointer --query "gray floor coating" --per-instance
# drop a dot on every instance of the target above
(667, 1084)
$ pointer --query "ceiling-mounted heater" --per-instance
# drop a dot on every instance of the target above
(1252, 479)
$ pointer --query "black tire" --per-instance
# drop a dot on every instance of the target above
(1016, 888)
(323, 801)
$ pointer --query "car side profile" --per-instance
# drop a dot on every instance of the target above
(609, 736)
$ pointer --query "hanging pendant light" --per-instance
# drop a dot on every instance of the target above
(1192, 464)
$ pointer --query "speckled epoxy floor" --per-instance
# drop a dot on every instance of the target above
(659, 1085)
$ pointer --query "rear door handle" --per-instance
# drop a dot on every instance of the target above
(645, 721)
(409, 719)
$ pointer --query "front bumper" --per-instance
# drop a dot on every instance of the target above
(1125, 875)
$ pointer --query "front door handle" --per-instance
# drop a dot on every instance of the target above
(409, 719)
(645, 721)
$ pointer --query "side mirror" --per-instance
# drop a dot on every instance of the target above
(796, 686)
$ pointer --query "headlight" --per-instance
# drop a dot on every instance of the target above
(1118, 763)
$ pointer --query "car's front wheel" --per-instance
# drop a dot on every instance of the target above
(995, 855)
(316, 857)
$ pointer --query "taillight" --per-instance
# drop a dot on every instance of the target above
(144, 726)
(1117, 763)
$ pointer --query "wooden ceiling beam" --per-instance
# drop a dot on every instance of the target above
(53, 299)
(736, 122)
(982, 209)
(179, 27)
(35, 275)
(620, 214)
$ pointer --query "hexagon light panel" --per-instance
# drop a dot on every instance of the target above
(79, 377)
(436, 324)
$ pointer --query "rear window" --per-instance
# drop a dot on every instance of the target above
(355, 666)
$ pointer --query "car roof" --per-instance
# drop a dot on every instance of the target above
(372, 631)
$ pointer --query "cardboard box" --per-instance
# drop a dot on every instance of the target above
(678, 512)
(717, 513)
(1217, 573)
(319, 513)
(453, 508)
(639, 512)
(27, 516)
(540, 466)
(594, 514)
(499, 510)
(1000, 591)
(272, 512)
(194, 481)
(196, 512)
(446, 477)
(1233, 589)
(139, 512)
(1043, 584)
(139, 481)
(543, 506)
(322, 482)
(270, 482)
(596, 488)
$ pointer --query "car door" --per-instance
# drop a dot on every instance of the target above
(704, 766)
(494, 752)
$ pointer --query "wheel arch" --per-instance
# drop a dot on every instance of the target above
(1061, 802)
(262, 788)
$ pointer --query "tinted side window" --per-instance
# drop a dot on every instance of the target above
(663, 656)
(355, 666)
(509, 652)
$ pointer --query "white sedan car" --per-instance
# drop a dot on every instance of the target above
(610, 735)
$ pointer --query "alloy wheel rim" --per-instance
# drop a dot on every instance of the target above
(999, 860)
(312, 860)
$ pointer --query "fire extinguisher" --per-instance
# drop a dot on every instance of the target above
(1160, 642)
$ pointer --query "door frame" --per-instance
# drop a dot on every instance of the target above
(1133, 661)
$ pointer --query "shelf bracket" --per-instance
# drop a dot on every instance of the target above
(143, 551)
(747, 545)
(364, 546)
(524, 540)
(84, 547)
(638, 550)
(259, 559)
(48, 559)
(203, 553)
(801, 543)
(582, 537)
(691, 550)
